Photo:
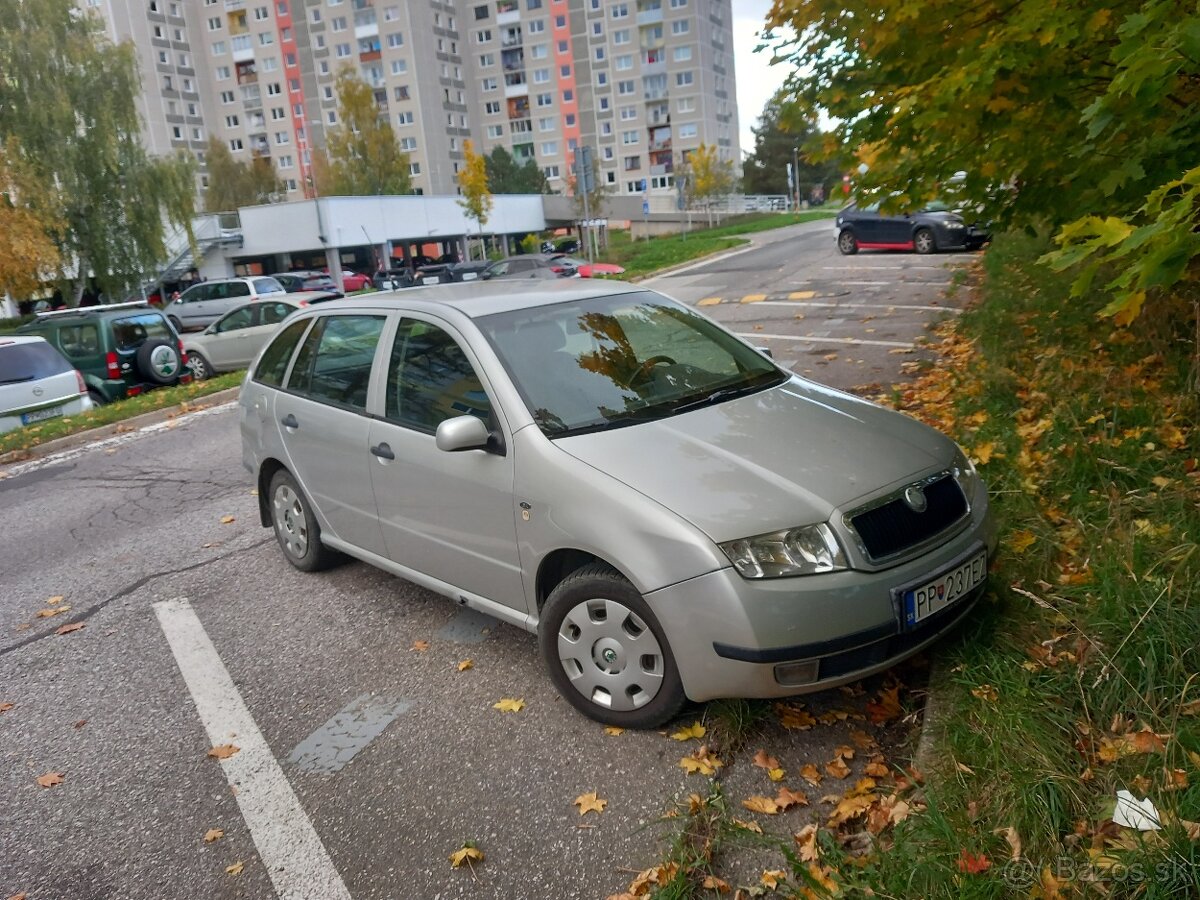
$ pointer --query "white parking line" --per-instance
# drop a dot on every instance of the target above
(795, 303)
(291, 852)
(802, 339)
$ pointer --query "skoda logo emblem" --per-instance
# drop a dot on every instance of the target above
(914, 498)
(37, 392)
(164, 360)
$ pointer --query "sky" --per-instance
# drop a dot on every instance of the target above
(757, 80)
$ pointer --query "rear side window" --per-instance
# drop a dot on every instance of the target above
(134, 331)
(267, 286)
(29, 362)
(195, 294)
(273, 365)
(334, 365)
(79, 340)
(275, 312)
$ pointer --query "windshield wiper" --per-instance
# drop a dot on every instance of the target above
(16, 380)
(722, 394)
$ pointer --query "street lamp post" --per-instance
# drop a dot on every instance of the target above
(796, 177)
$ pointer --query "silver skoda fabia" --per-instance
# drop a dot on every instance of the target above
(669, 511)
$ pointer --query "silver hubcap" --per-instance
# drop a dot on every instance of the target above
(610, 655)
(289, 521)
(199, 369)
(847, 241)
(924, 242)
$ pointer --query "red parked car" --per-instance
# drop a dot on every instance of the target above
(352, 281)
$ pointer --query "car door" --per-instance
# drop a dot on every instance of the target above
(193, 311)
(866, 224)
(323, 424)
(223, 339)
(447, 515)
(227, 296)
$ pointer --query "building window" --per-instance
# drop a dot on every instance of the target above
(282, 137)
(681, 26)
(227, 97)
(633, 163)
(487, 59)
(214, 24)
(408, 144)
(231, 121)
(550, 148)
(492, 108)
(682, 54)
(601, 79)
(489, 84)
(399, 66)
(338, 23)
(218, 49)
(405, 118)
(629, 137)
(391, 13)
(342, 51)
(540, 51)
(481, 13)
(688, 131)
(177, 133)
(235, 145)
(621, 36)
(541, 76)
(603, 104)
(686, 104)
(546, 123)
(545, 99)
(537, 26)
(273, 89)
(224, 73)
(270, 64)
(625, 88)
(619, 10)
(278, 113)
(495, 131)
(550, 171)
(682, 79)
(483, 36)
(286, 161)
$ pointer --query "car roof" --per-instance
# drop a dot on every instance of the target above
(476, 299)
(85, 313)
(10, 339)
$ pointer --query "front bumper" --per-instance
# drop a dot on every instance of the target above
(734, 637)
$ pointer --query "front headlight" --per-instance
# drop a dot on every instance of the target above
(965, 474)
(807, 550)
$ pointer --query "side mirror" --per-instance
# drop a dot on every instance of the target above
(765, 351)
(463, 433)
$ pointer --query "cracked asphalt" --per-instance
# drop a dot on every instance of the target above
(114, 533)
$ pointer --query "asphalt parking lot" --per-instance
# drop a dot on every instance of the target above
(367, 749)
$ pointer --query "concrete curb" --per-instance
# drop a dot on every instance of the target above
(80, 438)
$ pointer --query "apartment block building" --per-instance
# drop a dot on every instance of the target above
(641, 81)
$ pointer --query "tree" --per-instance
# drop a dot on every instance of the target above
(507, 176)
(29, 224)
(1056, 113)
(364, 158)
(472, 178)
(710, 177)
(69, 97)
(781, 138)
(233, 183)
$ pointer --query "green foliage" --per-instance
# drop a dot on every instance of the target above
(29, 221)
(530, 244)
(506, 176)
(69, 98)
(780, 130)
(364, 159)
(476, 199)
(1055, 112)
(233, 183)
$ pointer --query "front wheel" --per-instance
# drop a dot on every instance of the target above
(923, 241)
(607, 653)
(201, 367)
(296, 528)
(847, 243)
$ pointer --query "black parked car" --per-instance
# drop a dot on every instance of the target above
(928, 230)
(306, 281)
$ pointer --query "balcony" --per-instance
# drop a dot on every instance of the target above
(516, 90)
(243, 50)
(521, 126)
(235, 4)
(366, 30)
(510, 38)
(518, 108)
(514, 78)
(370, 56)
(656, 94)
(237, 24)
(508, 18)
(650, 16)
(522, 152)
(246, 73)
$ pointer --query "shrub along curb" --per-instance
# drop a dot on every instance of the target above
(79, 438)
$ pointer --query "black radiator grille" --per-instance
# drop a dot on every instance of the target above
(894, 527)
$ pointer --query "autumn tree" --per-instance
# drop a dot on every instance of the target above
(782, 137)
(363, 156)
(69, 97)
(29, 224)
(472, 178)
(1080, 115)
(710, 178)
(507, 176)
(233, 183)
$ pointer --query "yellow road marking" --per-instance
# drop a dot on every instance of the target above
(754, 298)
(802, 295)
(709, 301)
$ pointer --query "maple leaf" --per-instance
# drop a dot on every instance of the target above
(794, 718)
(1174, 779)
(837, 768)
(771, 877)
(787, 798)
(775, 774)
(713, 883)
(877, 769)
(50, 779)
(862, 740)
(508, 705)
(466, 664)
(760, 804)
(224, 751)
(235, 869)
(51, 601)
(5, 707)
(67, 629)
(986, 692)
(47, 613)
(1020, 541)
(806, 839)
(228, 520)
(213, 834)
(811, 774)
(613, 730)
(763, 761)
(700, 761)
(467, 854)
(420, 646)
(590, 803)
(695, 730)
(983, 453)
(844, 752)
(972, 864)
(886, 706)
(749, 826)
(851, 806)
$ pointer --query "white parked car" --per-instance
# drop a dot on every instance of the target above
(204, 303)
(37, 383)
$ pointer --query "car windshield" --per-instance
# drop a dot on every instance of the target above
(607, 362)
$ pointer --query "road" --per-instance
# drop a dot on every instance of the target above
(365, 757)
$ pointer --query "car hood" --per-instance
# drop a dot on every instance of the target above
(787, 456)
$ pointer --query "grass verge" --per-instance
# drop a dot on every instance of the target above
(642, 258)
(24, 439)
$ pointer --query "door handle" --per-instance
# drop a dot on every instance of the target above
(289, 421)
(383, 451)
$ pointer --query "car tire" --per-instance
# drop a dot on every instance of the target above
(176, 324)
(159, 361)
(97, 397)
(923, 241)
(295, 526)
(847, 242)
(201, 368)
(588, 626)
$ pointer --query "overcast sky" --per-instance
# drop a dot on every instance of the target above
(757, 80)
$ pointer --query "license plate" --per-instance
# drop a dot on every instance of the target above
(940, 591)
(432, 279)
(469, 276)
(40, 415)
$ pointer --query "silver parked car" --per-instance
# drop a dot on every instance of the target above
(37, 383)
(232, 342)
(204, 303)
(672, 514)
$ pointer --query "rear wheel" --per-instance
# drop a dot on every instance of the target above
(176, 324)
(201, 367)
(847, 243)
(607, 653)
(296, 528)
(97, 397)
(923, 241)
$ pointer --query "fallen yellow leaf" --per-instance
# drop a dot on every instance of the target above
(763, 805)
(50, 779)
(5, 707)
(713, 883)
(213, 834)
(806, 838)
(509, 705)
(51, 601)
(787, 798)
(47, 613)
(986, 692)
(613, 730)
(466, 854)
(771, 877)
(837, 768)
(67, 629)
(466, 664)
(749, 826)
(811, 774)
(228, 520)
(235, 869)
(983, 452)
(224, 751)
(1020, 541)
(775, 774)
(695, 730)
(763, 761)
(700, 761)
(420, 646)
(590, 803)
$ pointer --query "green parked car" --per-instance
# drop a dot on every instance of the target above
(123, 350)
